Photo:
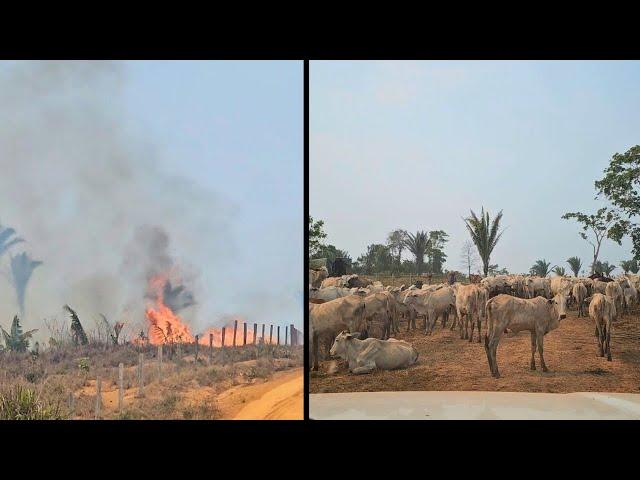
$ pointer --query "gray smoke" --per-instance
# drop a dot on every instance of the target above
(86, 194)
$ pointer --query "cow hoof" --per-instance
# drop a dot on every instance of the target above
(545, 369)
(533, 367)
(608, 358)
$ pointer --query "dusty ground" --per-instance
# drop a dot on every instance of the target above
(448, 363)
(281, 398)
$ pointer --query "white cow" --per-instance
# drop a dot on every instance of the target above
(365, 356)
(537, 315)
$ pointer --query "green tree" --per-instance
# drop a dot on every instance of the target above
(575, 264)
(603, 268)
(330, 252)
(316, 235)
(17, 340)
(418, 245)
(396, 243)
(377, 259)
(620, 186)
(496, 270)
(598, 225)
(627, 265)
(435, 251)
(560, 271)
(484, 234)
(541, 268)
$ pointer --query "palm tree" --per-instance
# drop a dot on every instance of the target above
(22, 266)
(484, 234)
(541, 268)
(560, 271)
(629, 265)
(17, 340)
(603, 268)
(575, 264)
(5, 239)
(418, 245)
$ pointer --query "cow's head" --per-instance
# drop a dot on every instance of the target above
(339, 347)
(559, 306)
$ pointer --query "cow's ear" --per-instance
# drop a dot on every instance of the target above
(348, 336)
(550, 302)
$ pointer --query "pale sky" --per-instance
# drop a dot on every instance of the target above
(415, 145)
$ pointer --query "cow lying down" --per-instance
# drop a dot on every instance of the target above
(365, 356)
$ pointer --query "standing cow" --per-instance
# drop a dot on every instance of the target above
(579, 293)
(537, 315)
(602, 310)
(330, 318)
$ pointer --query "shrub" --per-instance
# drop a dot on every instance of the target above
(20, 403)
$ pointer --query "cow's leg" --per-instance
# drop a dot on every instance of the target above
(472, 328)
(600, 335)
(479, 328)
(494, 351)
(540, 341)
(609, 340)
(488, 352)
(533, 350)
(462, 317)
(314, 352)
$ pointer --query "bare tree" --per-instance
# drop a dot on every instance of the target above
(469, 256)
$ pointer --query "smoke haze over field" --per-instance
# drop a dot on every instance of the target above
(103, 204)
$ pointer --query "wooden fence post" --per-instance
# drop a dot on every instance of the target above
(278, 334)
(98, 396)
(72, 404)
(262, 333)
(222, 346)
(244, 341)
(270, 333)
(286, 334)
(197, 345)
(140, 378)
(160, 360)
(120, 386)
(255, 332)
(235, 330)
(210, 347)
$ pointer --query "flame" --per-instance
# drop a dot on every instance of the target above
(167, 327)
(164, 325)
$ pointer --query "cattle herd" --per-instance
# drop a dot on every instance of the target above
(357, 318)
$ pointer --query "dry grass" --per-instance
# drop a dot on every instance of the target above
(184, 389)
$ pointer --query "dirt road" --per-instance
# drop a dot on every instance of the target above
(448, 363)
(283, 400)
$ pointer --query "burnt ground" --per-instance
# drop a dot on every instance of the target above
(448, 363)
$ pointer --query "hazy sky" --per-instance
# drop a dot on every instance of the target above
(415, 145)
(210, 152)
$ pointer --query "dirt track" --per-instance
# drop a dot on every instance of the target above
(448, 363)
(282, 401)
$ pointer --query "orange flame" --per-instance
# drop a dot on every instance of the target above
(164, 325)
